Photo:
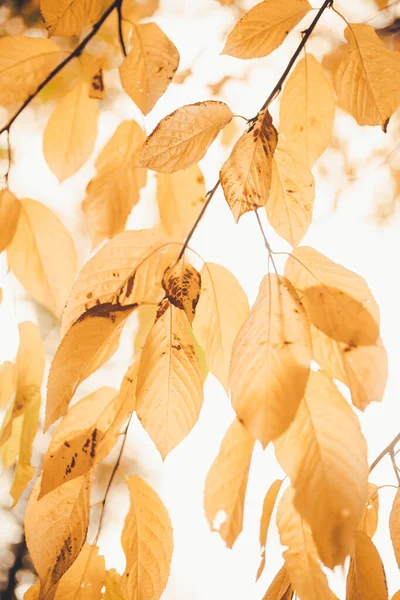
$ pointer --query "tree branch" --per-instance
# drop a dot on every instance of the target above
(120, 32)
(389, 450)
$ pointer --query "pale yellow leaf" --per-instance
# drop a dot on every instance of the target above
(55, 530)
(182, 138)
(114, 191)
(218, 318)
(268, 507)
(69, 17)
(369, 519)
(301, 558)
(182, 283)
(180, 198)
(149, 67)
(336, 300)
(307, 110)
(10, 448)
(71, 132)
(246, 175)
(146, 315)
(112, 586)
(170, 381)
(9, 215)
(147, 543)
(291, 197)
(264, 28)
(8, 382)
(368, 78)
(226, 483)
(280, 588)
(140, 9)
(85, 579)
(366, 578)
(42, 255)
(394, 524)
(271, 361)
(24, 63)
(325, 455)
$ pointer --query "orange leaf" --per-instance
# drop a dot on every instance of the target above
(9, 214)
(366, 578)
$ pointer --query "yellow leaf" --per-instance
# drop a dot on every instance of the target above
(55, 530)
(325, 455)
(246, 175)
(307, 110)
(7, 382)
(268, 507)
(396, 596)
(140, 9)
(394, 523)
(87, 345)
(146, 316)
(9, 215)
(180, 198)
(301, 558)
(114, 191)
(42, 255)
(147, 542)
(218, 318)
(69, 17)
(264, 28)
(113, 586)
(182, 138)
(280, 588)
(336, 300)
(149, 67)
(182, 283)
(24, 63)
(271, 361)
(85, 579)
(366, 578)
(291, 197)
(368, 78)
(170, 381)
(226, 483)
(10, 447)
(369, 519)
(71, 132)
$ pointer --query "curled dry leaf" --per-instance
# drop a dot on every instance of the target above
(42, 255)
(337, 301)
(369, 519)
(271, 361)
(218, 318)
(24, 63)
(71, 132)
(368, 78)
(149, 67)
(325, 455)
(69, 17)
(85, 579)
(366, 577)
(182, 283)
(268, 507)
(55, 530)
(246, 175)
(9, 215)
(226, 483)
(182, 138)
(147, 542)
(280, 588)
(307, 110)
(264, 28)
(394, 524)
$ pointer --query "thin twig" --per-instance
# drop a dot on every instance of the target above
(120, 32)
(268, 247)
(394, 465)
(388, 450)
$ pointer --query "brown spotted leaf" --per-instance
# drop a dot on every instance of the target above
(182, 283)
(268, 507)
(366, 579)
(280, 588)
(85, 579)
(394, 525)
(9, 215)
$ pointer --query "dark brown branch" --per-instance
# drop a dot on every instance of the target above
(20, 550)
(389, 450)
(120, 31)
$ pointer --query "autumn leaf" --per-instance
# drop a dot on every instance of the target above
(8, 382)
(10, 448)
(42, 255)
(24, 63)
(307, 110)
(182, 283)
(325, 455)
(147, 543)
(71, 132)
(268, 507)
(246, 175)
(368, 78)
(114, 191)
(85, 579)
(170, 381)
(366, 577)
(369, 519)
(394, 525)
(180, 197)
(9, 215)
(226, 482)
(182, 138)
(140, 9)
(291, 196)
(69, 17)
(301, 558)
(112, 585)
(271, 361)
(218, 319)
(280, 588)
(264, 28)
(55, 530)
(127, 394)
(337, 301)
(149, 67)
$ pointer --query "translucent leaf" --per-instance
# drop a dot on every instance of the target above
(85, 579)
(182, 283)
(8, 382)
(9, 215)
(140, 9)
(268, 507)
(280, 588)
(366, 577)
(369, 519)
(69, 17)
(394, 524)
(113, 586)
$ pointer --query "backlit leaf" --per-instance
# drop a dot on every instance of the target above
(9, 215)
(85, 579)
(226, 483)
(271, 361)
(264, 28)
(181, 283)
(280, 588)
(366, 578)
(8, 382)
(69, 17)
(394, 524)
(369, 519)
(268, 507)
(246, 175)
(113, 586)
(147, 542)
(182, 138)
(325, 455)
(140, 9)
(42, 255)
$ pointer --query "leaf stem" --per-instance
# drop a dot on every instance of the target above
(266, 243)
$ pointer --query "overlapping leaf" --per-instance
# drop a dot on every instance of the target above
(9, 215)
(69, 17)
(182, 283)
(369, 519)
(268, 507)
(366, 577)
(85, 579)
(280, 588)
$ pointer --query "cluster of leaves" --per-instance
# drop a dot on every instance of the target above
(316, 310)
